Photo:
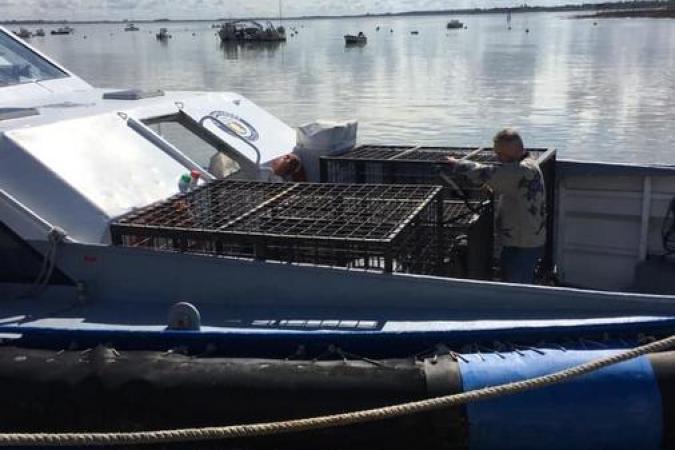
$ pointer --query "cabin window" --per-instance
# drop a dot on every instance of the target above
(207, 151)
(18, 64)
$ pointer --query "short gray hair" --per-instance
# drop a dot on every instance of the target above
(508, 136)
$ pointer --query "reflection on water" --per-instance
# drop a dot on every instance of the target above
(355, 45)
(250, 50)
(595, 92)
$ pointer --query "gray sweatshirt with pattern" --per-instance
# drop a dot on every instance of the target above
(521, 201)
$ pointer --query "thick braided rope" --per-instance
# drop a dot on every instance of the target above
(336, 420)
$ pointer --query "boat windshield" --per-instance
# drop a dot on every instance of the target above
(18, 64)
(211, 156)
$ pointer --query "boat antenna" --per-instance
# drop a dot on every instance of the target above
(280, 13)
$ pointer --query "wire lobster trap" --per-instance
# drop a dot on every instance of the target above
(372, 227)
(407, 164)
(390, 164)
(421, 165)
(469, 239)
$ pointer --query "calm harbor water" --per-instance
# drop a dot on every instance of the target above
(604, 92)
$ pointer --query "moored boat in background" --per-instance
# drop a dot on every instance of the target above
(163, 34)
(23, 33)
(454, 24)
(351, 39)
(251, 31)
(63, 30)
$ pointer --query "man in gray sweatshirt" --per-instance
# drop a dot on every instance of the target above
(518, 185)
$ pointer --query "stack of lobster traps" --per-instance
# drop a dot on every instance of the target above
(419, 165)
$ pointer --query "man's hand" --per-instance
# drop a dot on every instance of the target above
(452, 162)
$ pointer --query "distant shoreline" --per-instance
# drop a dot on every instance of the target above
(649, 8)
(655, 13)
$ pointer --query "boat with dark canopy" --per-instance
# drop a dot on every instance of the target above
(251, 31)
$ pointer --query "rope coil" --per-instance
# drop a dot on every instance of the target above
(335, 420)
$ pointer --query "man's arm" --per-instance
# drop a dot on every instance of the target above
(478, 173)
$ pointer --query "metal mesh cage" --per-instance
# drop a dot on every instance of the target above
(378, 227)
(420, 165)
(401, 164)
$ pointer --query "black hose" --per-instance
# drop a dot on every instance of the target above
(448, 181)
(668, 229)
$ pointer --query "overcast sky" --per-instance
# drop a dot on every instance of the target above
(211, 9)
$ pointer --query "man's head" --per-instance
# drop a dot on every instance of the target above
(508, 145)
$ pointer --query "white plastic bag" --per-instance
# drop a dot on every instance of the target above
(323, 138)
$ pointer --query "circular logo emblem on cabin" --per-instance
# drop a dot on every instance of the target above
(233, 124)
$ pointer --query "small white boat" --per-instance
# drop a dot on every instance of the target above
(131, 27)
(63, 30)
(40, 32)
